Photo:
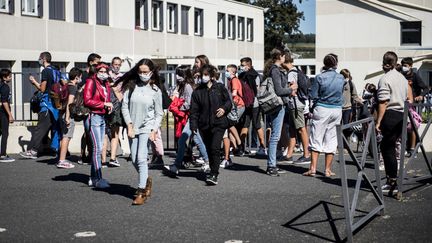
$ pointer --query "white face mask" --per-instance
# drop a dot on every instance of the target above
(405, 69)
(205, 79)
(145, 77)
(102, 76)
(40, 61)
(179, 78)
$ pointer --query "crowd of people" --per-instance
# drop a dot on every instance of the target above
(296, 112)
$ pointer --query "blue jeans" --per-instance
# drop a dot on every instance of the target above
(95, 124)
(276, 121)
(186, 133)
(139, 153)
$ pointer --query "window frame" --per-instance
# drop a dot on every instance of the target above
(24, 8)
(172, 12)
(7, 7)
(221, 25)
(231, 27)
(99, 20)
(249, 29)
(240, 28)
(199, 25)
(143, 22)
(187, 8)
(77, 15)
(159, 16)
(54, 15)
(408, 30)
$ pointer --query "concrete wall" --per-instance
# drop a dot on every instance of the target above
(360, 33)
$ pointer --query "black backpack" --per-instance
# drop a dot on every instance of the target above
(303, 83)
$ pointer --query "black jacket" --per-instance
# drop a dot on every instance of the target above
(204, 104)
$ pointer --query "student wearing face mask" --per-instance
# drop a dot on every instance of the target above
(142, 112)
(115, 119)
(210, 105)
(97, 98)
(75, 75)
(183, 92)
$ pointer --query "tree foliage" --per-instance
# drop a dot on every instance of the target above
(281, 20)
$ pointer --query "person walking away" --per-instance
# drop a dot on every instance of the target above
(142, 111)
(392, 94)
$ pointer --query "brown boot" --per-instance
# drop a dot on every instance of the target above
(148, 188)
(140, 198)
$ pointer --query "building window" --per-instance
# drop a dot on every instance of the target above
(102, 12)
(249, 30)
(157, 16)
(172, 18)
(141, 14)
(221, 25)
(57, 9)
(411, 33)
(231, 27)
(199, 22)
(240, 28)
(81, 11)
(7, 6)
(32, 7)
(185, 20)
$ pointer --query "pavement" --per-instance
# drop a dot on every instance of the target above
(40, 203)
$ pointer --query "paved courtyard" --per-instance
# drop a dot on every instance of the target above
(40, 203)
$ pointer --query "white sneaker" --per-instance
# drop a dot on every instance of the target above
(200, 161)
(205, 168)
(226, 163)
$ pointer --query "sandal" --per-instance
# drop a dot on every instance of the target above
(329, 173)
(309, 173)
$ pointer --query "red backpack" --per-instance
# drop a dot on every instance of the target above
(248, 94)
(59, 92)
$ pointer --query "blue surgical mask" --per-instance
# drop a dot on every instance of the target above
(228, 75)
(241, 70)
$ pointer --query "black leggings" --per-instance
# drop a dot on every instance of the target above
(391, 128)
(4, 119)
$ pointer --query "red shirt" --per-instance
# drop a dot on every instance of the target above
(236, 85)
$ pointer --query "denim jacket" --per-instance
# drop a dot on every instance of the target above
(327, 89)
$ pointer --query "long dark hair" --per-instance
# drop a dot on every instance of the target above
(275, 54)
(185, 72)
(131, 77)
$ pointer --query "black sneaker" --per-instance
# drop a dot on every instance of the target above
(211, 180)
(390, 187)
(272, 171)
(302, 161)
(239, 152)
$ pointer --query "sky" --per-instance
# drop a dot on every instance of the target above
(308, 7)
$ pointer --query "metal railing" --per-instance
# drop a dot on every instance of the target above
(402, 178)
(350, 206)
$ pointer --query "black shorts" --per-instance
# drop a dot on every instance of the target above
(254, 115)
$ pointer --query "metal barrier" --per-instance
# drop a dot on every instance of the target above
(402, 178)
(350, 208)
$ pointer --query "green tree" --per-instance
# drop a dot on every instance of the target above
(281, 20)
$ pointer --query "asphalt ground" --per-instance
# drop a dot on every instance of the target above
(40, 203)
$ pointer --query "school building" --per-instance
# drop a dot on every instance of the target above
(360, 32)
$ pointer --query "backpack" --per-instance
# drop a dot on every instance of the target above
(35, 101)
(59, 92)
(248, 95)
(303, 83)
(268, 100)
(77, 109)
